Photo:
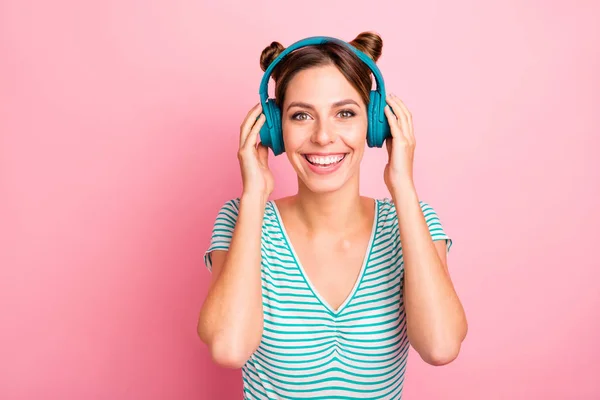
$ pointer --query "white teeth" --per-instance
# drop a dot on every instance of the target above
(327, 160)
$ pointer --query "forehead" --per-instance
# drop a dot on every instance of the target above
(320, 85)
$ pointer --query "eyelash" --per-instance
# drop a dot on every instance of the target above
(352, 114)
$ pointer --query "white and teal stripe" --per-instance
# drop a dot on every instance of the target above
(308, 349)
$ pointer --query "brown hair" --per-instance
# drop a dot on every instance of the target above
(355, 71)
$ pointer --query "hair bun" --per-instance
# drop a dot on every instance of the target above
(269, 54)
(369, 43)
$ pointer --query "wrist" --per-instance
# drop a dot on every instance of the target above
(254, 198)
(403, 188)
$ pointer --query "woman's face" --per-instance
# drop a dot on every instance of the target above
(324, 122)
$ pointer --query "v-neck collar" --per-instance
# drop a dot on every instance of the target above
(313, 289)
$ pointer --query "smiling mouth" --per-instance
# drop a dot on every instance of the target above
(325, 161)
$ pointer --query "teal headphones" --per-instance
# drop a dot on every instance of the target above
(271, 134)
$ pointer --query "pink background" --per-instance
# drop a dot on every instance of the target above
(118, 135)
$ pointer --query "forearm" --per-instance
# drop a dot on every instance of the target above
(435, 318)
(231, 319)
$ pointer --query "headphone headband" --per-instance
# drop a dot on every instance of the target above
(271, 133)
(316, 40)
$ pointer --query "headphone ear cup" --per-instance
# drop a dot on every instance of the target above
(272, 137)
(373, 130)
(378, 130)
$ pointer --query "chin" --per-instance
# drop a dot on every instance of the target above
(322, 187)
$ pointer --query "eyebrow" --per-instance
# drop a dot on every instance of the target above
(311, 107)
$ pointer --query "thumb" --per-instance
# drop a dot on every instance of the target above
(263, 155)
(388, 145)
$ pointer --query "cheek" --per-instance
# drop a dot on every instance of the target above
(356, 135)
(294, 137)
(291, 140)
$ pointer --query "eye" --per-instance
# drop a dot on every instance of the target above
(348, 114)
(303, 114)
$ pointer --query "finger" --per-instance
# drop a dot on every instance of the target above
(251, 139)
(402, 106)
(402, 118)
(263, 155)
(409, 131)
(393, 121)
(257, 105)
(249, 121)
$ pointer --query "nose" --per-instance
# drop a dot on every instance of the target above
(323, 134)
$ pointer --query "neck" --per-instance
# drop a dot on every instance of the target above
(333, 211)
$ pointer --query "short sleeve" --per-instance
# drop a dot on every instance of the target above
(222, 231)
(435, 225)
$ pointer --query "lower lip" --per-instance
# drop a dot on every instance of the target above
(325, 169)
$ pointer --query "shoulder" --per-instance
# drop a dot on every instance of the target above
(227, 215)
(388, 207)
(388, 214)
(231, 206)
(224, 226)
(229, 211)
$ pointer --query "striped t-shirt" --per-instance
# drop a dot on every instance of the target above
(308, 349)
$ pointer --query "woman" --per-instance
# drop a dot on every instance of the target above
(320, 294)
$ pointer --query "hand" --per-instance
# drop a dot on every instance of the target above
(257, 179)
(400, 147)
